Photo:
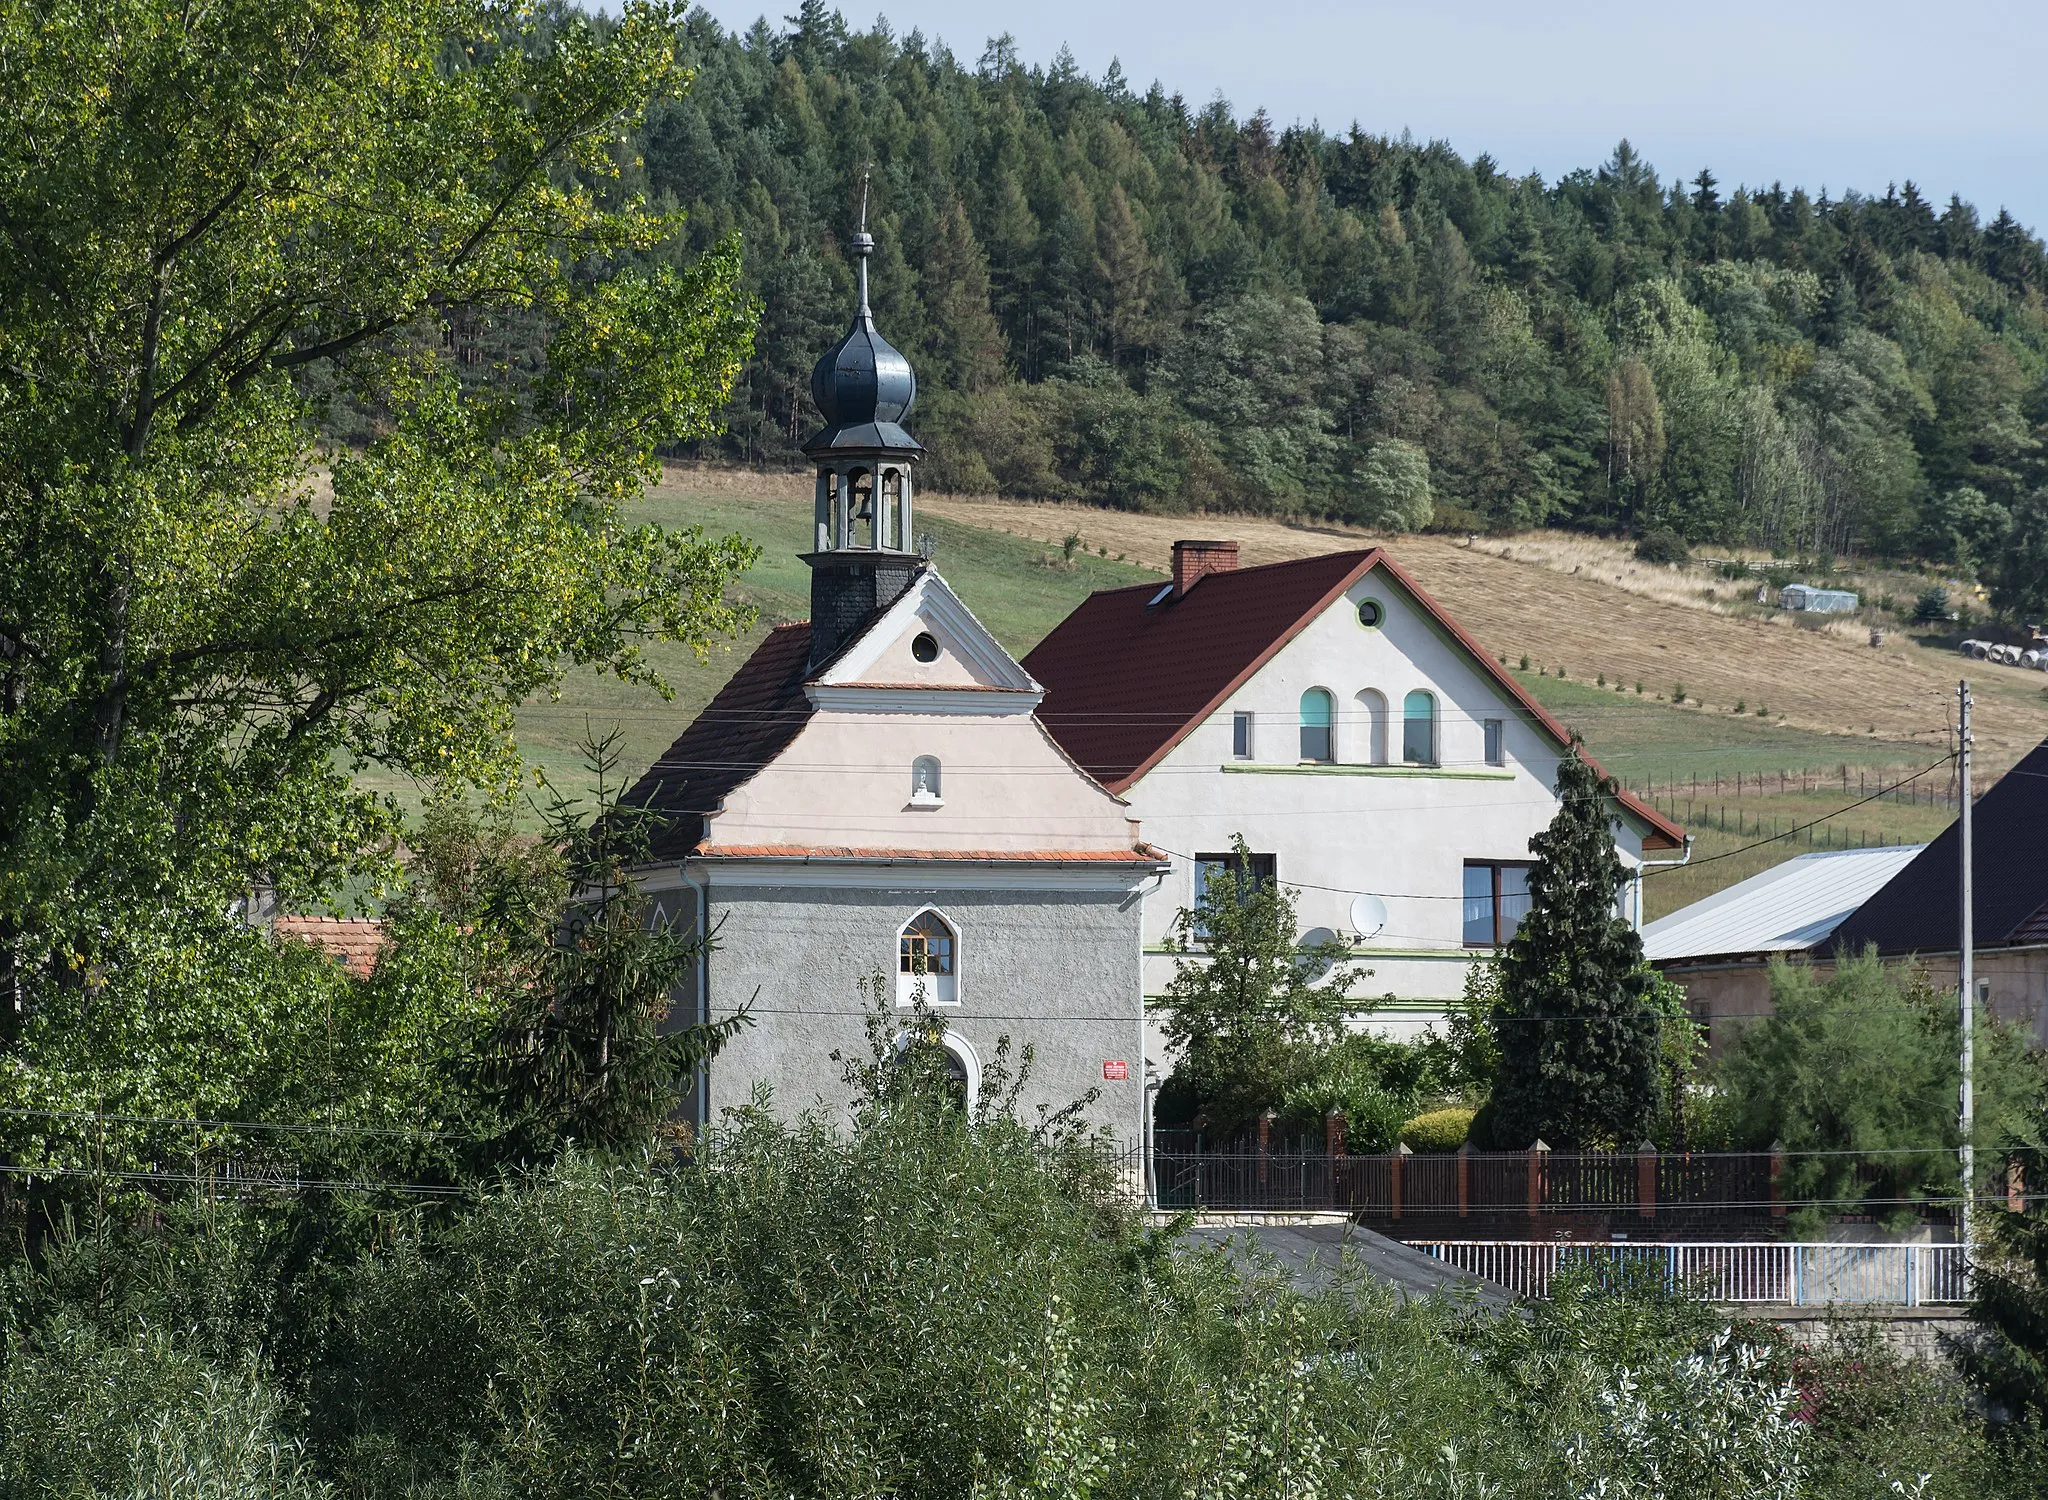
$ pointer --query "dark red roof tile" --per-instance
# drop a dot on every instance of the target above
(751, 721)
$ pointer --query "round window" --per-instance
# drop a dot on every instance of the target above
(925, 647)
(1370, 613)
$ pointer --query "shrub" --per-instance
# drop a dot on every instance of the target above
(1438, 1130)
(1664, 547)
(1525, 664)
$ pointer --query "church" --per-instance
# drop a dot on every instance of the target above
(873, 794)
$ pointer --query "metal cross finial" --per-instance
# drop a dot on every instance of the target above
(865, 170)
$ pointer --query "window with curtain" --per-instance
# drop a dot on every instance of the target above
(1496, 900)
(1418, 729)
(1318, 716)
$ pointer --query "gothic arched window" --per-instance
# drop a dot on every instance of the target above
(927, 953)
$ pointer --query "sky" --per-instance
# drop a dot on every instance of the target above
(1952, 94)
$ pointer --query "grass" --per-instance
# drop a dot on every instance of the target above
(1639, 738)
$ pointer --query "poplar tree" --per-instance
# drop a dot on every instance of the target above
(1578, 1042)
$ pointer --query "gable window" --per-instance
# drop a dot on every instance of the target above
(926, 954)
(1418, 729)
(1496, 900)
(924, 782)
(1371, 613)
(1317, 716)
(925, 647)
(1496, 743)
(1241, 736)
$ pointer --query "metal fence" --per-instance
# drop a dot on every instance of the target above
(1805, 1275)
(1669, 1187)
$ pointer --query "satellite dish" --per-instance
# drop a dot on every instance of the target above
(1368, 916)
(1315, 937)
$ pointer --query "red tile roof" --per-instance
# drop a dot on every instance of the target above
(1126, 680)
(751, 721)
(354, 941)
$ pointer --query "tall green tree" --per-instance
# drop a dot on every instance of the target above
(2020, 589)
(1578, 1042)
(207, 212)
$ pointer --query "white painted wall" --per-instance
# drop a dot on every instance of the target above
(1398, 831)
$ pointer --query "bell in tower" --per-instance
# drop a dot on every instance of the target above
(864, 556)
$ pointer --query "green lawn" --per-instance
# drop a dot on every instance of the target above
(1007, 581)
(1640, 738)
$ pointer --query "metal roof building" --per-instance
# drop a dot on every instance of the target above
(1788, 908)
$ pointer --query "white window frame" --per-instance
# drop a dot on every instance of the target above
(1243, 741)
(941, 990)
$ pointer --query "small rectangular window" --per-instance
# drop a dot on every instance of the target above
(1241, 736)
(1496, 900)
(1496, 747)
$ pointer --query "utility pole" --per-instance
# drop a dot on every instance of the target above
(1966, 966)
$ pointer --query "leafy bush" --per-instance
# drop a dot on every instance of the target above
(1865, 1060)
(1664, 547)
(89, 1417)
(1438, 1130)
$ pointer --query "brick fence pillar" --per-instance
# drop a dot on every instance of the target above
(1465, 1180)
(1646, 1181)
(1777, 1179)
(1394, 1175)
(1266, 1120)
(1538, 1156)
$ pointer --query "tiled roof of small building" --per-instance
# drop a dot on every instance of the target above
(354, 941)
(1920, 909)
(1127, 678)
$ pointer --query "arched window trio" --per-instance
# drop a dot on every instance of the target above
(1419, 738)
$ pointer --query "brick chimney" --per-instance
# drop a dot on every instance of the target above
(1193, 559)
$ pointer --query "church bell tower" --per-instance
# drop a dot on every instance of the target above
(864, 554)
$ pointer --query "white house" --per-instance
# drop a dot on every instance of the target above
(872, 794)
(1369, 751)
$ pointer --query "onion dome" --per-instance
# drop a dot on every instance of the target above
(863, 385)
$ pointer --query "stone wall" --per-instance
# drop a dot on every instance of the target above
(1922, 1333)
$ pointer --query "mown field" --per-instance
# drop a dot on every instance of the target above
(1608, 650)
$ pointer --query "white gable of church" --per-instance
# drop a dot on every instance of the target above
(928, 652)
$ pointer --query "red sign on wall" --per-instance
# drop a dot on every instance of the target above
(1116, 1071)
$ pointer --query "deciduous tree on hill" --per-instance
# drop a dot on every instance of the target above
(207, 216)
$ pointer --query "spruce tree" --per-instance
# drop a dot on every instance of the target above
(1578, 1042)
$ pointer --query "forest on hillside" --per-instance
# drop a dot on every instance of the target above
(1119, 296)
